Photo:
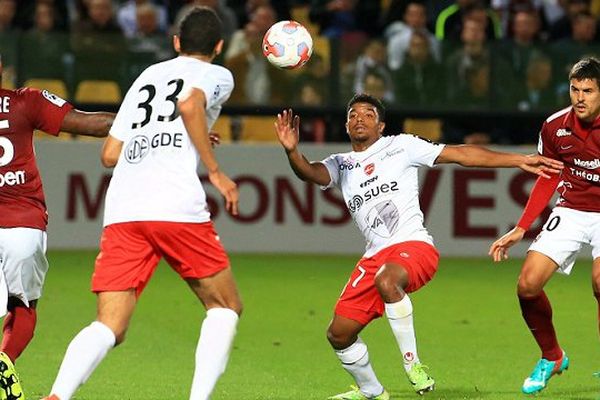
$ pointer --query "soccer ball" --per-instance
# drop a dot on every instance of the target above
(287, 44)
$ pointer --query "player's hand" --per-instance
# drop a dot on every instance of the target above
(287, 127)
(542, 166)
(499, 249)
(227, 188)
(215, 138)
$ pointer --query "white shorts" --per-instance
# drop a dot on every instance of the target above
(23, 262)
(564, 233)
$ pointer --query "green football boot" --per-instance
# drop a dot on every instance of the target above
(10, 385)
(356, 394)
(419, 379)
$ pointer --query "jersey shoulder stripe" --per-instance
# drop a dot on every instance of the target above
(558, 114)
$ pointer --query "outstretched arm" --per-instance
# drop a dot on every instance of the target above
(476, 156)
(95, 124)
(287, 128)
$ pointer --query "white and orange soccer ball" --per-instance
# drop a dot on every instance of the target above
(287, 44)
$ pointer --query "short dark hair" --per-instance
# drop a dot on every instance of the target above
(200, 31)
(586, 68)
(367, 98)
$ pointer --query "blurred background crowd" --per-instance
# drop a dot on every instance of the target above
(469, 71)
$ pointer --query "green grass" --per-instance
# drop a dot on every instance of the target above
(469, 332)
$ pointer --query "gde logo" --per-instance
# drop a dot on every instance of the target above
(137, 148)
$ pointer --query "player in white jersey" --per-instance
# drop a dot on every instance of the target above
(156, 207)
(378, 179)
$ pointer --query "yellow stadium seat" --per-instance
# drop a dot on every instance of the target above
(258, 129)
(56, 86)
(300, 14)
(98, 91)
(428, 128)
(223, 127)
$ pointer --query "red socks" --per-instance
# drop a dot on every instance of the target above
(17, 331)
(537, 313)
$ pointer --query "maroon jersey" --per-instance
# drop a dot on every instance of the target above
(22, 202)
(566, 138)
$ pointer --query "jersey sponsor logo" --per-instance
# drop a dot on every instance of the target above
(349, 165)
(137, 148)
(358, 200)
(369, 169)
(12, 178)
(588, 164)
(383, 219)
(588, 176)
(54, 99)
(369, 181)
(563, 132)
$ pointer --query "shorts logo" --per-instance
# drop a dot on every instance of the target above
(404, 255)
(137, 148)
(563, 132)
(369, 169)
(408, 357)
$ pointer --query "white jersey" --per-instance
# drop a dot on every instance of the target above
(156, 176)
(381, 189)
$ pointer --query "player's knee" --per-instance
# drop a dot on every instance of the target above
(120, 336)
(338, 338)
(527, 287)
(387, 282)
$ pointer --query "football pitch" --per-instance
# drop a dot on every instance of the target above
(469, 331)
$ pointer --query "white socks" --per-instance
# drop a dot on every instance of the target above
(399, 315)
(212, 353)
(355, 360)
(83, 355)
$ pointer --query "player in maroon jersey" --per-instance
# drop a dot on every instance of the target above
(23, 215)
(571, 135)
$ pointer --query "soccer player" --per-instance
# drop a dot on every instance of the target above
(23, 215)
(571, 136)
(378, 179)
(156, 207)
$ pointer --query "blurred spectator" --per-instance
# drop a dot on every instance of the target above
(148, 37)
(43, 49)
(244, 9)
(375, 84)
(257, 82)
(399, 33)
(224, 12)
(419, 81)
(315, 72)
(312, 128)
(127, 17)
(507, 10)
(261, 20)
(448, 25)
(524, 42)
(373, 60)
(336, 17)
(537, 91)
(26, 10)
(8, 10)
(474, 50)
(562, 28)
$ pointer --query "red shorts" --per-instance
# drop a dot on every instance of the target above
(360, 300)
(130, 252)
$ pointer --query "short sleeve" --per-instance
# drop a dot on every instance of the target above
(333, 167)
(217, 86)
(46, 109)
(422, 152)
(545, 144)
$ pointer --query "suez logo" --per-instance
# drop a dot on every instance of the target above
(139, 146)
(357, 201)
